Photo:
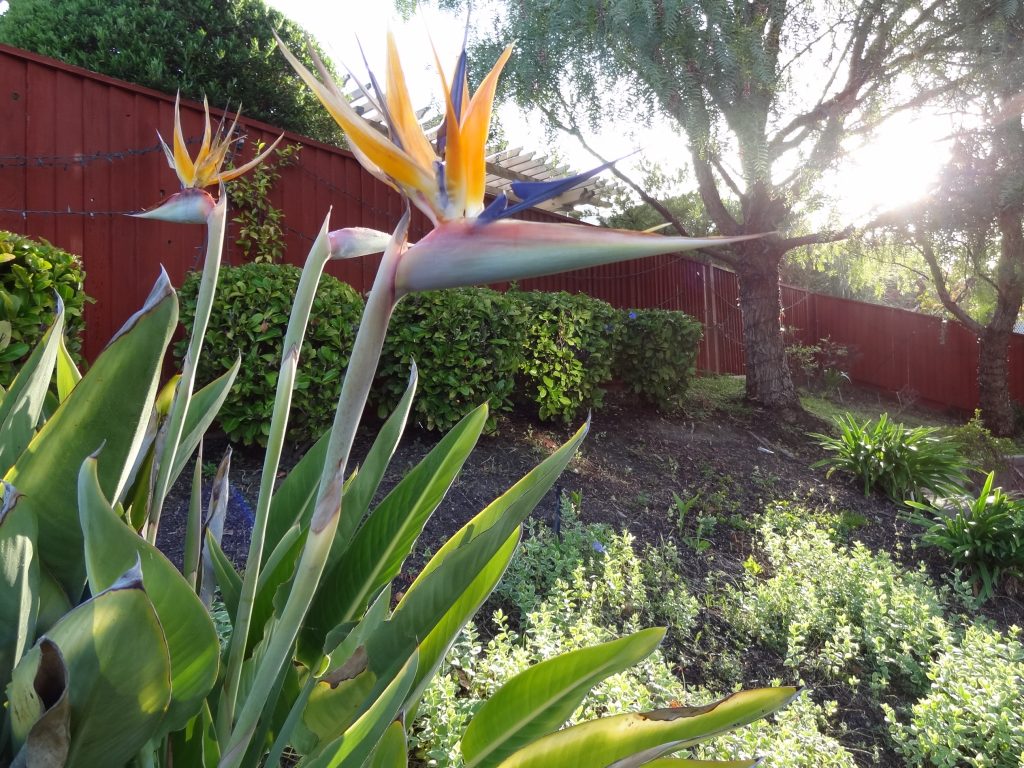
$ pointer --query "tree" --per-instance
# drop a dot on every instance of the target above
(971, 231)
(771, 85)
(223, 49)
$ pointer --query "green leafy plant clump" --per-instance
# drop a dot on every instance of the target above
(885, 455)
(32, 273)
(972, 715)
(657, 355)
(249, 318)
(570, 352)
(468, 346)
(982, 534)
(260, 233)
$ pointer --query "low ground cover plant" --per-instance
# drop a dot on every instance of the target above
(32, 273)
(837, 612)
(657, 355)
(972, 713)
(249, 320)
(886, 456)
(982, 534)
(589, 584)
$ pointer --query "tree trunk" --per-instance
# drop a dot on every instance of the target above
(994, 381)
(768, 380)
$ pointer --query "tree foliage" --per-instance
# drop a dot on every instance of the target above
(970, 232)
(223, 49)
(765, 92)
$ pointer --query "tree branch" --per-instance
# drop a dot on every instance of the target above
(939, 279)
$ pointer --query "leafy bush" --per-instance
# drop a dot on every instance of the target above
(468, 346)
(657, 355)
(983, 533)
(836, 611)
(250, 314)
(822, 365)
(884, 455)
(570, 349)
(31, 272)
(972, 716)
(985, 449)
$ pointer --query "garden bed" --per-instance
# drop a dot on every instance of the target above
(701, 481)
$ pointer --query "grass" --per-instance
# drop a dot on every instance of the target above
(714, 393)
(828, 409)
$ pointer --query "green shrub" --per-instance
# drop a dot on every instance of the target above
(657, 355)
(250, 315)
(837, 612)
(983, 534)
(31, 272)
(884, 455)
(570, 349)
(973, 714)
(987, 451)
(468, 346)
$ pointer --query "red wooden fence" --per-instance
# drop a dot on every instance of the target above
(77, 150)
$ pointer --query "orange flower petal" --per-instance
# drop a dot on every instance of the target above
(391, 160)
(474, 128)
(182, 162)
(403, 116)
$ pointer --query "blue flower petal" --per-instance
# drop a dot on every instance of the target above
(536, 192)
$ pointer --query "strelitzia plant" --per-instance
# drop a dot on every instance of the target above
(111, 656)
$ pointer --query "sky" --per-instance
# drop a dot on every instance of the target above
(894, 168)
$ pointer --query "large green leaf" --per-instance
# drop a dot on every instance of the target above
(339, 696)
(49, 737)
(118, 676)
(202, 409)
(388, 535)
(293, 500)
(364, 485)
(23, 403)
(354, 746)
(109, 407)
(429, 617)
(608, 740)
(19, 581)
(110, 548)
(511, 508)
(225, 575)
(540, 699)
(391, 752)
(68, 374)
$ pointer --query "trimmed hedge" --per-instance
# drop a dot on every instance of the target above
(31, 272)
(250, 317)
(468, 346)
(657, 355)
(553, 351)
(570, 350)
